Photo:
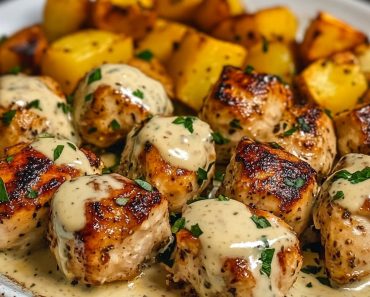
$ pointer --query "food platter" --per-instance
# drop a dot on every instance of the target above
(37, 274)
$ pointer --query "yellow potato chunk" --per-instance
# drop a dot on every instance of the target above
(180, 10)
(328, 35)
(68, 59)
(335, 83)
(197, 63)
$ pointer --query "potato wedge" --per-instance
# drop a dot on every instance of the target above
(181, 11)
(273, 58)
(62, 17)
(335, 83)
(163, 39)
(276, 23)
(362, 53)
(327, 35)
(23, 50)
(68, 59)
(132, 18)
(197, 63)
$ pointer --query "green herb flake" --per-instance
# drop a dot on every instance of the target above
(15, 70)
(72, 146)
(275, 145)
(294, 183)
(353, 178)
(201, 176)
(145, 55)
(8, 117)
(303, 126)
(3, 193)
(222, 198)
(58, 151)
(94, 76)
(144, 185)
(235, 124)
(261, 222)
(266, 258)
(178, 225)
(265, 45)
(32, 194)
(195, 230)
(219, 139)
(249, 69)
(34, 104)
(106, 170)
(66, 108)
(89, 97)
(324, 281)
(121, 201)
(139, 94)
(92, 130)
(265, 241)
(338, 195)
(309, 285)
(69, 99)
(310, 269)
(187, 122)
(9, 159)
(219, 176)
(328, 113)
(290, 132)
(115, 125)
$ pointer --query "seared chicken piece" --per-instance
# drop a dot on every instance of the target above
(353, 130)
(267, 177)
(29, 176)
(176, 154)
(308, 133)
(226, 249)
(343, 216)
(103, 228)
(30, 105)
(242, 104)
(111, 99)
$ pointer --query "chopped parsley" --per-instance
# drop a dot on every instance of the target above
(145, 55)
(266, 258)
(8, 117)
(89, 97)
(72, 146)
(114, 125)
(92, 130)
(94, 76)
(34, 104)
(265, 45)
(265, 241)
(178, 225)
(309, 285)
(310, 269)
(323, 280)
(9, 159)
(294, 183)
(3, 193)
(64, 107)
(70, 99)
(249, 69)
(121, 201)
(195, 230)
(328, 113)
(222, 198)
(290, 131)
(219, 139)
(338, 195)
(219, 176)
(260, 221)
(355, 177)
(15, 70)
(187, 122)
(303, 126)
(275, 145)
(201, 175)
(32, 194)
(235, 123)
(144, 185)
(58, 151)
(139, 94)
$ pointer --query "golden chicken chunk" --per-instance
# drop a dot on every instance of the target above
(353, 130)
(30, 105)
(343, 216)
(29, 176)
(111, 99)
(103, 228)
(244, 104)
(176, 154)
(226, 249)
(267, 177)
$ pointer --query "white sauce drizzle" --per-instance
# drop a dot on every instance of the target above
(19, 90)
(176, 144)
(222, 223)
(125, 80)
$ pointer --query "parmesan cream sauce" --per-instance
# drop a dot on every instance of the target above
(125, 80)
(20, 90)
(176, 144)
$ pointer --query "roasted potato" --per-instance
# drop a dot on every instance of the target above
(197, 63)
(335, 83)
(181, 11)
(163, 39)
(275, 58)
(68, 59)
(362, 53)
(276, 23)
(328, 35)
(23, 50)
(132, 18)
(62, 17)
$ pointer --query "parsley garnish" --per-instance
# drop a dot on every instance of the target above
(323, 280)
(34, 104)
(303, 126)
(195, 230)
(145, 55)
(235, 123)
(222, 198)
(310, 269)
(266, 258)
(290, 131)
(94, 76)
(8, 117)
(355, 177)
(64, 107)
(338, 195)
(58, 151)
(201, 175)
(219, 176)
(178, 225)
(249, 69)
(186, 121)
(138, 93)
(295, 183)
(309, 285)
(72, 146)
(328, 112)
(265, 45)
(143, 184)
(122, 201)
(69, 99)
(15, 70)
(92, 130)
(3, 193)
(9, 159)
(265, 241)
(88, 97)
(261, 222)
(114, 125)
(275, 145)
(32, 194)
(219, 139)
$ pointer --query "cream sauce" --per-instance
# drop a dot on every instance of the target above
(222, 223)
(355, 195)
(19, 90)
(125, 80)
(176, 144)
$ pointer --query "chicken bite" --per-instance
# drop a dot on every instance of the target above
(111, 99)
(103, 228)
(343, 216)
(226, 249)
(29, 176)
(31, 105)
(267, 177)
(176, 154)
